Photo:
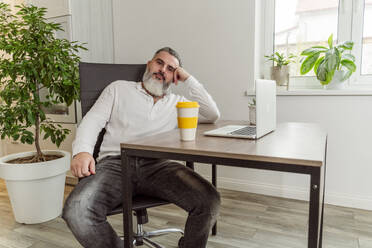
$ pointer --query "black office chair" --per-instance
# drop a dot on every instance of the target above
(93, 79)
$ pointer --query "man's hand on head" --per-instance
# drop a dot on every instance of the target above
(83, 165)
(180, 74)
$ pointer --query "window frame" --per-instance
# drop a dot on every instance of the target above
(357, 36)
(349, 27)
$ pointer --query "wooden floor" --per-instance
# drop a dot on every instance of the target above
(246, 220)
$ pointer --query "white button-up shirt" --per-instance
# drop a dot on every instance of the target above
(127, 112)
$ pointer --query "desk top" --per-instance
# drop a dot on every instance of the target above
(291, 143)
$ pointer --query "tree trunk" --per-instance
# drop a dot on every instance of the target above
(39, 155)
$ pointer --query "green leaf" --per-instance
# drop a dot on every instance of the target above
(313, 50)
(35, 59)
(320, 60)
(346, 75)
(349, 65)
(46, 136)
(321, 72)
(320, 47)
(347, 45)
(332, 59)
(348, 56)
(330, 41)
(308, 63)
(29, 140)
(30, 117)
(329, 76)
(323, 75)
(279, 58)
(28, 133)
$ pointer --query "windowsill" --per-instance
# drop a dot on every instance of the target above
(352, 91)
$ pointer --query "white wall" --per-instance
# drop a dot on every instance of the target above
(92, 24)
(55, 8)
(348, 122)
(214, 37)
(217, 43)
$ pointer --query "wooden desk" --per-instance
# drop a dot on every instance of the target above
(292, 147)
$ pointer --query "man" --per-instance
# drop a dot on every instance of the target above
(128, 110)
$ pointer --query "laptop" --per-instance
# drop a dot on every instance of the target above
(265, 115)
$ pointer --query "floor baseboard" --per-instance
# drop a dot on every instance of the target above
(290, 192)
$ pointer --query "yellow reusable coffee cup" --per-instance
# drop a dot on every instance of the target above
(187, 119)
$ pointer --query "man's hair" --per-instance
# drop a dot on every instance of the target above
(171, 52)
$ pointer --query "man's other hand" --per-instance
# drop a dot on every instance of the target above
(180, 74)
(83, 165)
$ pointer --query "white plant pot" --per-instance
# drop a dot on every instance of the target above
(336, 83)
(280, 75)
(35, 190)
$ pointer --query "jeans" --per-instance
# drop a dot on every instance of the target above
(94, 196)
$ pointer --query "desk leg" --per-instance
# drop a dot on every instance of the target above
(323, 184)
(214, 182)
(127, 164)
(315, 208)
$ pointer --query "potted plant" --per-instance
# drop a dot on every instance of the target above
(31, 60)
(252, 111)
(331, 65)
(280, 71)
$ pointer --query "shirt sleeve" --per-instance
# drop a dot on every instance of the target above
(93, 122)
(208, 111)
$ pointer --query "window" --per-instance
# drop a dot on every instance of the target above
(300, 24)
(367, 39)
(297, 26)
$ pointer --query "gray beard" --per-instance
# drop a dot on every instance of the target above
(154, 86)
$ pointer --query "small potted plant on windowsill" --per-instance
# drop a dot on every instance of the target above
(252, 111)
(332, 65)
(33, 59)
(280, 70)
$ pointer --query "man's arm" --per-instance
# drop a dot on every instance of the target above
(208, 111)
(83, 163)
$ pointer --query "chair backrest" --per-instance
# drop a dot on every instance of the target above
(94, 77)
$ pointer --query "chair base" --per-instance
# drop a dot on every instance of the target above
(143, 237)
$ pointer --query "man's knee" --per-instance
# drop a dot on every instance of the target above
(204, 198)
(82, 211)
(68, 213)
(214, 201)
(72, 212)
(209, 200)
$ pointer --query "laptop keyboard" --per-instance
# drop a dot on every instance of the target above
(248, 131)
